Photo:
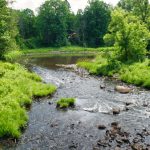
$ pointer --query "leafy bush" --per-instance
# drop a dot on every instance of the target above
(17, 87)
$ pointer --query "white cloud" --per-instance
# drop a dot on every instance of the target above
(34, 4)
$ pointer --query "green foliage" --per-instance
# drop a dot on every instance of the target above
(52, 23)
(97, 18)
(65, 102)
(130, 35)
(55, 25)
(13, 56)
(140, 8)
(8, 30)
(17, 87)
(26, 23)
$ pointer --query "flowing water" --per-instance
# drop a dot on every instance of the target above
(52, 129)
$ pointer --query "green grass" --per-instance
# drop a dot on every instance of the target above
(137, 73)
(65, 103)
(17, 88)
(66, 49)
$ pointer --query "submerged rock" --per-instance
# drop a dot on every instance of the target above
(101, 127)
(123, 89)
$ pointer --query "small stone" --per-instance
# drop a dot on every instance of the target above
(96, 148)
(116, 111)
(117, 148)
(136, 147)
(136, 140)
(102, 143)
(50, 103)
(125, 140)
(114, 124)
(102, 86)
(54, 125)
(128, 103)
(101, 127)
(118, 140)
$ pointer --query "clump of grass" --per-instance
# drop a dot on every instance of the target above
(17, 88)
(65, 103)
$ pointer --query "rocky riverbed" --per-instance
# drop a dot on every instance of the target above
(92, 124)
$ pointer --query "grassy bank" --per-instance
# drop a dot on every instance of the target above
(17, 88)
(137, 73)
(66, 49)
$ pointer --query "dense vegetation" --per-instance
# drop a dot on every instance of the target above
(56, 25)
(17, 88)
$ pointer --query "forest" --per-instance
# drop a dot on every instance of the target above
(118, 37)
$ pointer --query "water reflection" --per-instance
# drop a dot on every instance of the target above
(51, 60)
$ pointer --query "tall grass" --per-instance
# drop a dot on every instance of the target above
(17, 88)
(13, 56)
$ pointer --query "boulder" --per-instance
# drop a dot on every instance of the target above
(123, 89)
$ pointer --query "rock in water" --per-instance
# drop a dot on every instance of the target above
(102, 86)
(123, 89)
(101, 127)
(116, 111)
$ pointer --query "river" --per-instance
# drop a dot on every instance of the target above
(77, 128)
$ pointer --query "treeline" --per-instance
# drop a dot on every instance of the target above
(99, 24)
(56, 25)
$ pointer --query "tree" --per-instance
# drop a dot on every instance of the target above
(97, 18)
(52, 23)
(80, 27)
(26, 23)
(130, 35)
(141, 8)
(7, 28)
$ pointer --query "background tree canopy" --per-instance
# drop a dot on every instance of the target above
(56, 25)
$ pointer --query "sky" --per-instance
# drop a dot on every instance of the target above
(75, 4)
